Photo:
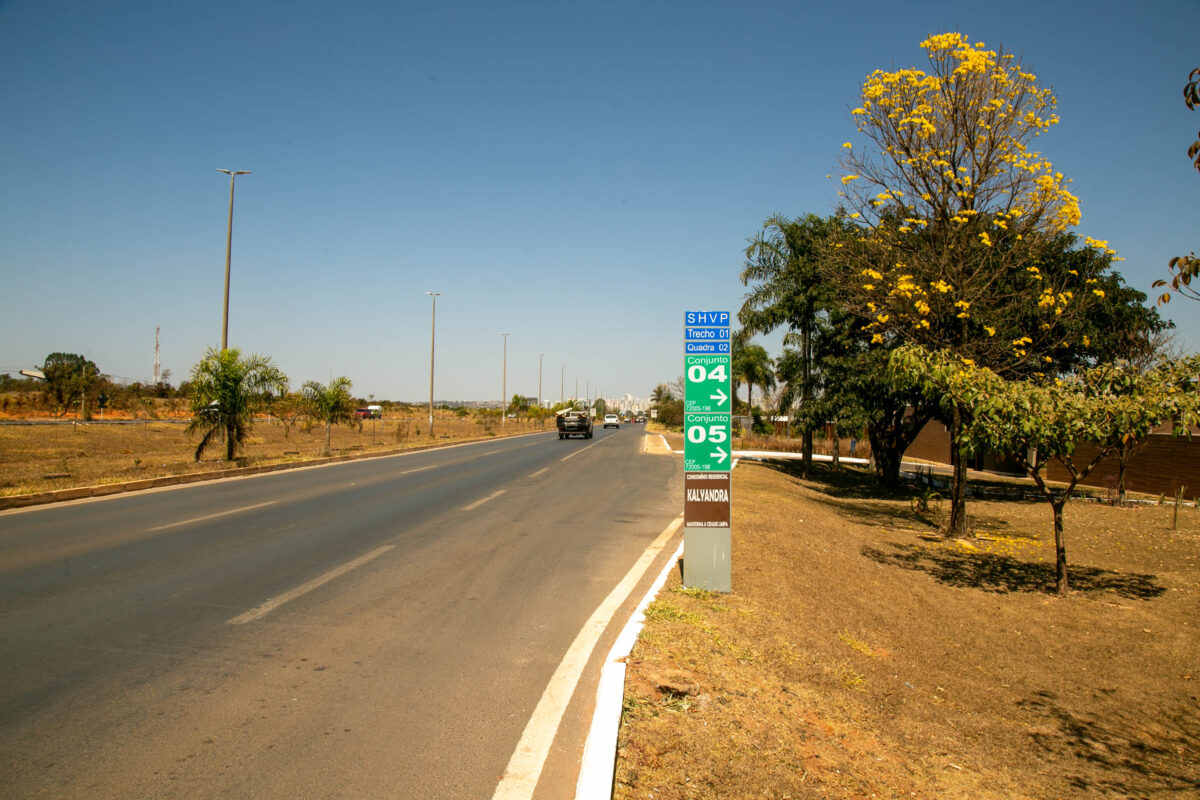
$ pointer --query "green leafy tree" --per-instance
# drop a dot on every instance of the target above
(1038, 420)
(329, 404)
(520, 405)
(70, 378)
(226, 391)
(667, 402)
(857, 392)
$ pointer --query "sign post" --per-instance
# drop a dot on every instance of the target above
(707, 451)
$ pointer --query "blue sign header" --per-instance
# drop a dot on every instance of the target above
(706, 318)
(705, 347)
(707, 334)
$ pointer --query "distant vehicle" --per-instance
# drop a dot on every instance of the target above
(369, 412)
(641, 419)
(612, 421)
(574, 423)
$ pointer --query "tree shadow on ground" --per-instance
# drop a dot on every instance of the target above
(1126, 760)
(878, 505)
(993, 572)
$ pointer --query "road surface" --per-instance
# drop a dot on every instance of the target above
(378, 628)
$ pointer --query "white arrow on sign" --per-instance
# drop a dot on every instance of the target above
(720, 397)
(720, 455)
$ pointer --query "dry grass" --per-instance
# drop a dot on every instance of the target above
(38, 458)
(863, 655)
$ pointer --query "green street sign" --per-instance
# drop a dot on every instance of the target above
(706, 443)
(706, 383)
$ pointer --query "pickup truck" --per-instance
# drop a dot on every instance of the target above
(574, 423)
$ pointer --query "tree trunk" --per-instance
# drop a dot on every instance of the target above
(837, 450)
(806, 445)
(958, 486)
(1060, 546)
(1122, 462)
(229, 442)
(328, 435)
(887, 460)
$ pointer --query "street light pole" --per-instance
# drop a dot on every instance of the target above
(432, 333)
(504, 384)
(228, 250)
(540, 381)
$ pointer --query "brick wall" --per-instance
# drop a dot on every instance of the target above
(1161, 464)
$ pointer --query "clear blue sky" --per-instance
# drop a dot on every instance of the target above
(575, 174)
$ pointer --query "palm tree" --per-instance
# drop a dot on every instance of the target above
(329, 404)
(752, 365)
(226, 391)
(783, 272)
(737, 340)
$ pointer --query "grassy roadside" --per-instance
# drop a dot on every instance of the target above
(862, 655)
(40, 458)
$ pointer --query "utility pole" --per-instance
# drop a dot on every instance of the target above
(504, 384)
(156, 373)
(432, 333)
(228, 249)
(540, 383)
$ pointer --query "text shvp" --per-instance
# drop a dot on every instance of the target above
(715, 318)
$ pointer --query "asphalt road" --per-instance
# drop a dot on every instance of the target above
(378, 628)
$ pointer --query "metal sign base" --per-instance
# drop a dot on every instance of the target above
(706, 559)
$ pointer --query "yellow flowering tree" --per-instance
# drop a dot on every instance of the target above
(962, 222)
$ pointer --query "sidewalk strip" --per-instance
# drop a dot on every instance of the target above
(525, 767)
(598, 766)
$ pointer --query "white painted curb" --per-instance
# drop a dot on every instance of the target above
(600, 752)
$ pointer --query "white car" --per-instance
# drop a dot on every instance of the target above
(612, 421)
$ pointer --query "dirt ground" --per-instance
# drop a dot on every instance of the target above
(38, 458)
(863, 655)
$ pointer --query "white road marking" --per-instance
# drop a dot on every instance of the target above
(525, 767)
(596, 770)
(580, 450)
(419, 469)
(211, 516)
(305, 588)
(483, 500)
(540, 471)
